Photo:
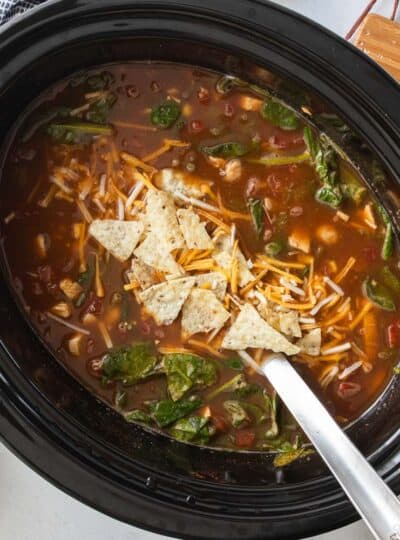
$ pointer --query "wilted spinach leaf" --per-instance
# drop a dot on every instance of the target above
(279, 115)
(186, 371)
(137, 416)
(194, 429)
(257, 212)
(166, 114)
(236, 412)
(225, 150)
(166, 412)
(76, 133)
(99, 110)
(378, 294)
(236, 383)
(130, 364)
(234, 363)
(100, 81)
(288, 456)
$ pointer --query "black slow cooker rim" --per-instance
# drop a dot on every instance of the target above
(21, 426)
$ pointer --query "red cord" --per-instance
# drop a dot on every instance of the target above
(361, 18)
(395, 8)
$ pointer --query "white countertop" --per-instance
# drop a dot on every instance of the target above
(30, 507)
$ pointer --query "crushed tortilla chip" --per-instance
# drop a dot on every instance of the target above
(154, 253)
(194, 232)
(223, 257)
(289, 324)
(144, 274)
(118, 237)
(250, 330)
(174, 182)
(311, 343)
(162, 221)
(202, 312)
(165, 300)
(214, 281)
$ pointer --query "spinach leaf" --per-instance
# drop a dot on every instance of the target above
(100, 109)
(166, 114)
(225, 150)
(166, 412)
(351, 187)
(234, 363)
(76, 133)
(137, 416)
(85, 279)
(185, 371)
(236, 412)
(194, 429)
(130, 364)
(326, 165)
(100, 81)
(378, 294)
(257, 212)
(279, 115)
(389, 279)
(256, 412)
(248, 390)
(238, 382)
(388, 243)
(272, 249)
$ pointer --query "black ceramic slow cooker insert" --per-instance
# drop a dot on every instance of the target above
(47, 418)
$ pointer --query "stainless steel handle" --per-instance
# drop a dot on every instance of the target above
(372, 498)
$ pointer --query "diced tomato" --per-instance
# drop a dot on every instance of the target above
(393, 334)
(245, 438)
(347, 390)
(219, 422)
(196, 126)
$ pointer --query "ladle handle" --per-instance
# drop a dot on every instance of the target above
(372, 498)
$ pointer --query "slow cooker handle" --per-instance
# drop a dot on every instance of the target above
(372, 498)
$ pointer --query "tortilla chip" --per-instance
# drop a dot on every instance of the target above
(311, 343)
(194, 232)
(289, 324)
(162, 220)
(223, 257)
(202, 312)
(165, 300)
(268, 313)
(250, 330)
(118, 237)
(213, 281)
(154, 253)
(144, 274)
(176, 183)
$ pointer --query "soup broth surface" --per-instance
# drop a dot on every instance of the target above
(161, 222)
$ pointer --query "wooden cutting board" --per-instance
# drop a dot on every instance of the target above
(379, 37)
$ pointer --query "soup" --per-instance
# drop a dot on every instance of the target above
(163, 223)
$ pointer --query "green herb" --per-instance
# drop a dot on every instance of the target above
(99, 110)
(256, 412)
(166, 412)
(76, 133)
(165, 115)
(378, 294)
(272, 249)
(257, 212)
(382, 212)
(236, 412)
(351, 187)
(326, 165)
(130, 364)
(193, 429)
(279, 115)
(234, 363)
(390, 279)
(186, 371)
(238, 382)
(285, 458)
(271, 402)
(388, 243)
(100, 81)
(137, 416)
(247, 390)
(396, 370)
(225, 150)
(85, 279)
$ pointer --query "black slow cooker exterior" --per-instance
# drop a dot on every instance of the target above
(46, 417)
